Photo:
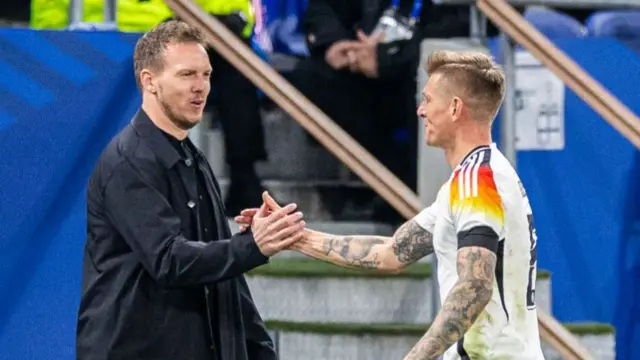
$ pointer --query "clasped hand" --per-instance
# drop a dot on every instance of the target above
(274, 228)
(358, 56)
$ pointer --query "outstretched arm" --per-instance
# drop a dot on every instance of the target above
(409, 243)
(467, 299)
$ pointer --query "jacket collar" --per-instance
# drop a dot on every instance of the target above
(147, 130)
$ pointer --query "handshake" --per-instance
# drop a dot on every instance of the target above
(274, 228)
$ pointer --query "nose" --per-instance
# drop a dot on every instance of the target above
(201, 84)
(420, 111)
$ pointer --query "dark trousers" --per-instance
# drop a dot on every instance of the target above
(236, 101)
(16, 10)
(380, 115)
(237, 106)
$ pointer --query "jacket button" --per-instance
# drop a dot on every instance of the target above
(188, 162)
(191, 204)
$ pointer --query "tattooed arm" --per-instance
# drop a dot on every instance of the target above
(409, 243)
(466, 300)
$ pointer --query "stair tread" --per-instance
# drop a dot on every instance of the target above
(308, 267)
(340, 328)
(343, 227)
(321, 200)
(305, 183)
(295, 267)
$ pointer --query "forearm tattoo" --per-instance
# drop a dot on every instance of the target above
(412, 242)
(463, 305)
(354, 251)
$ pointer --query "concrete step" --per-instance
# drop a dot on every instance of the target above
(290, 154)
(340, 227)
(320, 200)
(308, 290)
(296, 170)
(349, 341)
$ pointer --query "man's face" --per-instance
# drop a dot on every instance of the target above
(183, 85)
(435, 109)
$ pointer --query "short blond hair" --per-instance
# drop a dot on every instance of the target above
(473, 76)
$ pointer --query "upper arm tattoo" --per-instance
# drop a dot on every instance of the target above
(412, 242)
(476, 263)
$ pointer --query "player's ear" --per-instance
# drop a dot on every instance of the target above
(147, 81)
(455, 108)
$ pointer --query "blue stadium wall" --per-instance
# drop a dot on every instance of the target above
(63, 95)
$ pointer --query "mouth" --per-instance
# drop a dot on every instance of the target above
(198, 103)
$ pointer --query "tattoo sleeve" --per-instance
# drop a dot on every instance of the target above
(362, 252)
(412, 242)
(465, 302)
(409, 243)
(355, 251)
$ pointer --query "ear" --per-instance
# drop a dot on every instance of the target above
(147, 81)
(456, 108)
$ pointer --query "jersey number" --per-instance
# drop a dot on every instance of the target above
(531, 287)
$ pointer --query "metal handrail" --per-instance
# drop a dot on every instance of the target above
(76, 12)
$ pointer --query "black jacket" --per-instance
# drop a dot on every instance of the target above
(329, 21)
(147, 277)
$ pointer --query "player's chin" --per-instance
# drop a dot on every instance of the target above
(193, 117)
(430, 140)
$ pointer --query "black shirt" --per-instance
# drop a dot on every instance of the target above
(205, 224)
(204, 204)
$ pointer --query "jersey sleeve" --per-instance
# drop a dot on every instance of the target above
(476, 204)
(427, 218)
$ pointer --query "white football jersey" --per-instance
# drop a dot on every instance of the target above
(485, 191)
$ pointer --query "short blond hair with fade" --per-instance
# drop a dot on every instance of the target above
(473, 76)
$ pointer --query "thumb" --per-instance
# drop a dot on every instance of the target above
(362, 36)
(270, 202)
(263, 211)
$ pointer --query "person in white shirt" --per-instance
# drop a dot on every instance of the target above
(480, 226)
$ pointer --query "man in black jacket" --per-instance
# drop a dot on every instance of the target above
(162, 274)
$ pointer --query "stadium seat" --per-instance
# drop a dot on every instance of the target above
(550, 23)
(554, 24)
(623, 25)
(283, 19)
